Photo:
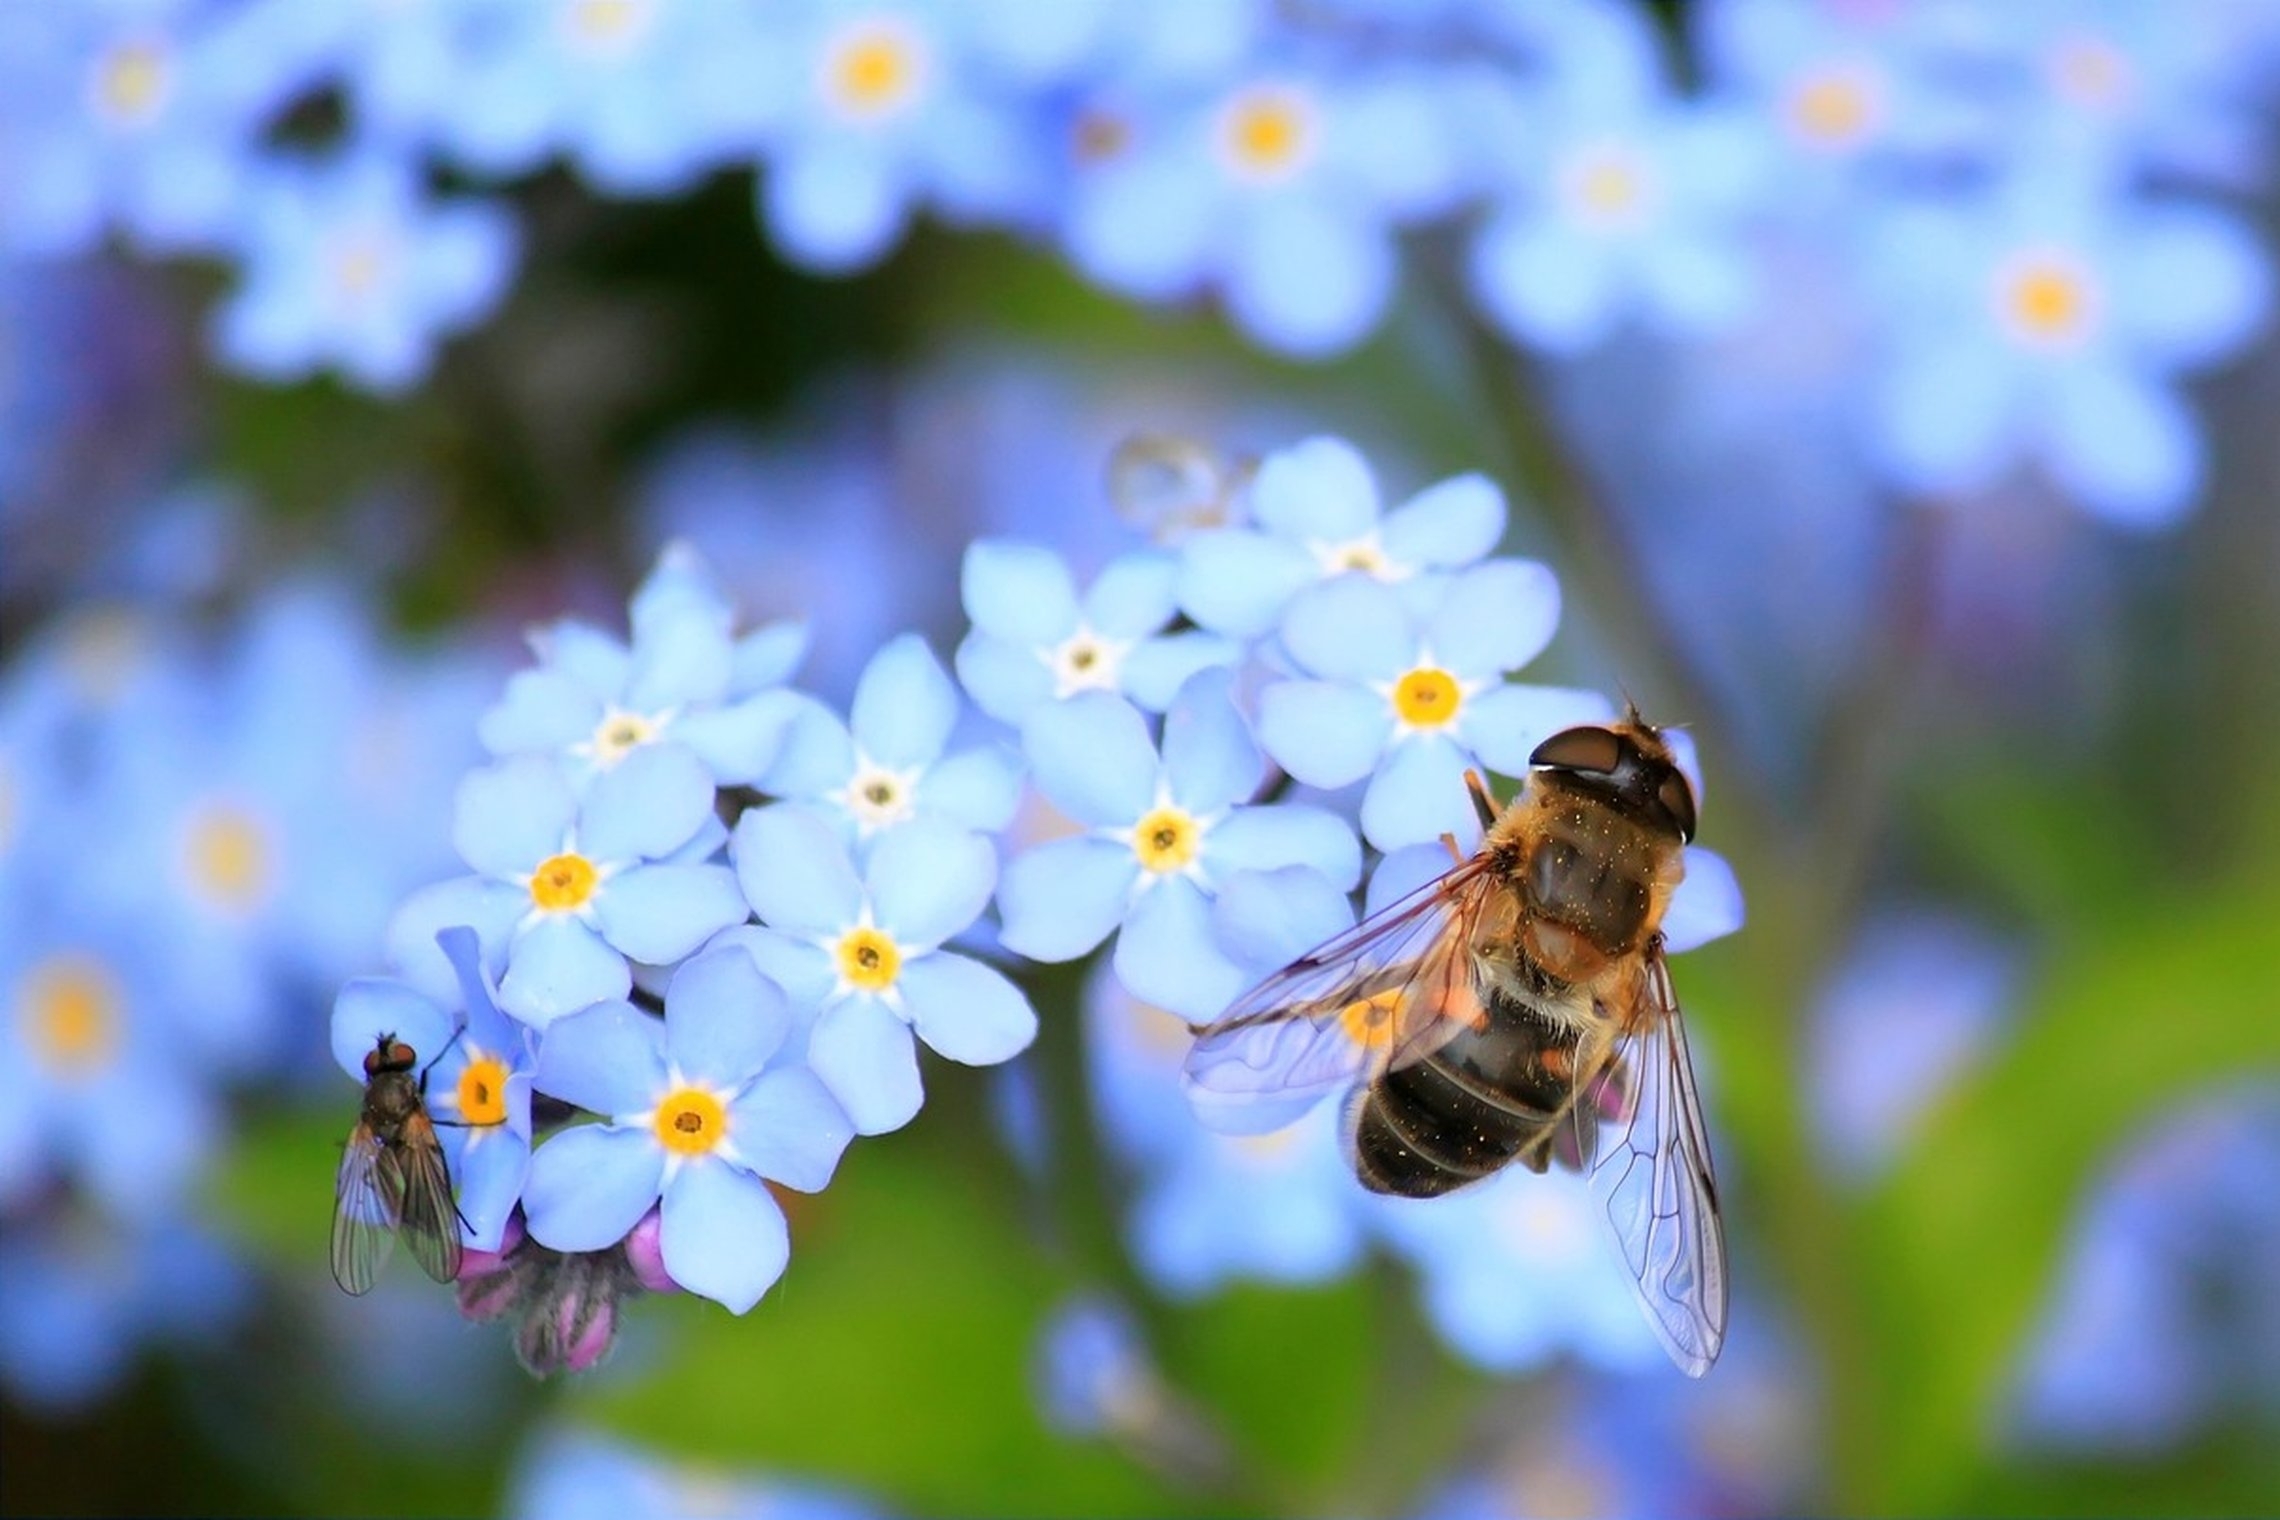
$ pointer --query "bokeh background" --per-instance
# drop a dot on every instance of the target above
(1889, 382)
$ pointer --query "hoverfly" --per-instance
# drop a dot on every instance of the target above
(393, 1179)
(1518, 1008)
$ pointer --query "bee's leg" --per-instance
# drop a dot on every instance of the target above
(1483, 804)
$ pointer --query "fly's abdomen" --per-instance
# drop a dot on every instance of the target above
(1487, 1097)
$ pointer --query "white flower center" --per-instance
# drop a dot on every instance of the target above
(1365, 554)
(1085, 661)
(878, 796)
(619, 734)
(1608, 187)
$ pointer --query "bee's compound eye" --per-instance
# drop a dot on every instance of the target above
(1590, 748)
(1677, 798)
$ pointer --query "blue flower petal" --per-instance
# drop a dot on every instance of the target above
(657, 914)
(1064, 897)
(905, 705)
(2127, 447)
(790, 1129)
(1169, 956)
(1446, 526)
(722, 1235)
(869, 1060)
(1285, 834)
(1092, 756)
(1504, 724)
(680, 659)
(586, 654)
(966, 1010)
(978, 788)
(608, 1059)
(1236, 582)
(804, 970)
(1946, 416)
(1155, 669)
(739, 742)
(768, 655)
(646, 805)
(794, 870)
(1418, 794)
(1494, 617)
(1020, 593)
(928, 880)
(510, 816)
(1005, 680)
(1134, 595)
(557, 966)
(371, 1006)
(1264, 920)
(1210, 761)
(1542, 283)
(1325, 733)
(491, 1172)
(723, 1019)
(817, 753)
(1352, 628)
(1404, 870)
(590, 1185)
(1310, 279)
(1707, 904)
(543, 711)
(833, 205)
(1320, 490)
(491, 908)
(2190, 285)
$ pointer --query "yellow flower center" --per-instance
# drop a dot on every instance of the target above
(873, 69)
(1833, 107)
(563, 882)
(608, 25)
(1268, 133)
(2047, 300)
(1368, 1022)
(1100, 135)
(483, 1091)
(230, 861)
(619, 734)
(1607, 186)
(70, 1006)
(1427, 697)
(132, 81)
(1166, 840)
(691, 1122)
(2090, 71)
(869, 960)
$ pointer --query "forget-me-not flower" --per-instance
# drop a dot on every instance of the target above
(1035, 640)
(1162, 835)
(349, 264)
(697, 1112)
(1314, 514)
(1411, 700)
(866, 950)
(568, 888)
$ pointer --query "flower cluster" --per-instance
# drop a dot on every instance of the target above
(2027, 196)
(709, 919)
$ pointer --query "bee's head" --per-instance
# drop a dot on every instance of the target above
(1628, 762)
(388, 1054)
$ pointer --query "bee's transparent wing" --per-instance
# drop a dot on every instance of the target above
(365, 1200)
(1638, 1130)
(429, 1220)
(1385, 993)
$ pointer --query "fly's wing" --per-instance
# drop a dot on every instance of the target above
(1385, 993)
(429, 1220)
(365, 1200)
(1638, 1128)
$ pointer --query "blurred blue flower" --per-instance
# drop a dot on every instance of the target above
(570, 888)
(888, 763)
(1282, 186)
(1318, 516)
(696, 1111)
(80, 1295)
(1162, 837)
(475, 1067)
(1915, 1000)
(348, 263)
(1035, 641)
(568, 1474)
(1613, 200)
(1411, 700)
(139, 113)
(888, 112)
(2050, 324)
(867, 951)
(1092, 1370)
(684, 679)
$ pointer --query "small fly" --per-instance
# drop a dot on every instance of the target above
(393, 1180)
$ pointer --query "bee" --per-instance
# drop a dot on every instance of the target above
(393, 1180)
(1517, 1009)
